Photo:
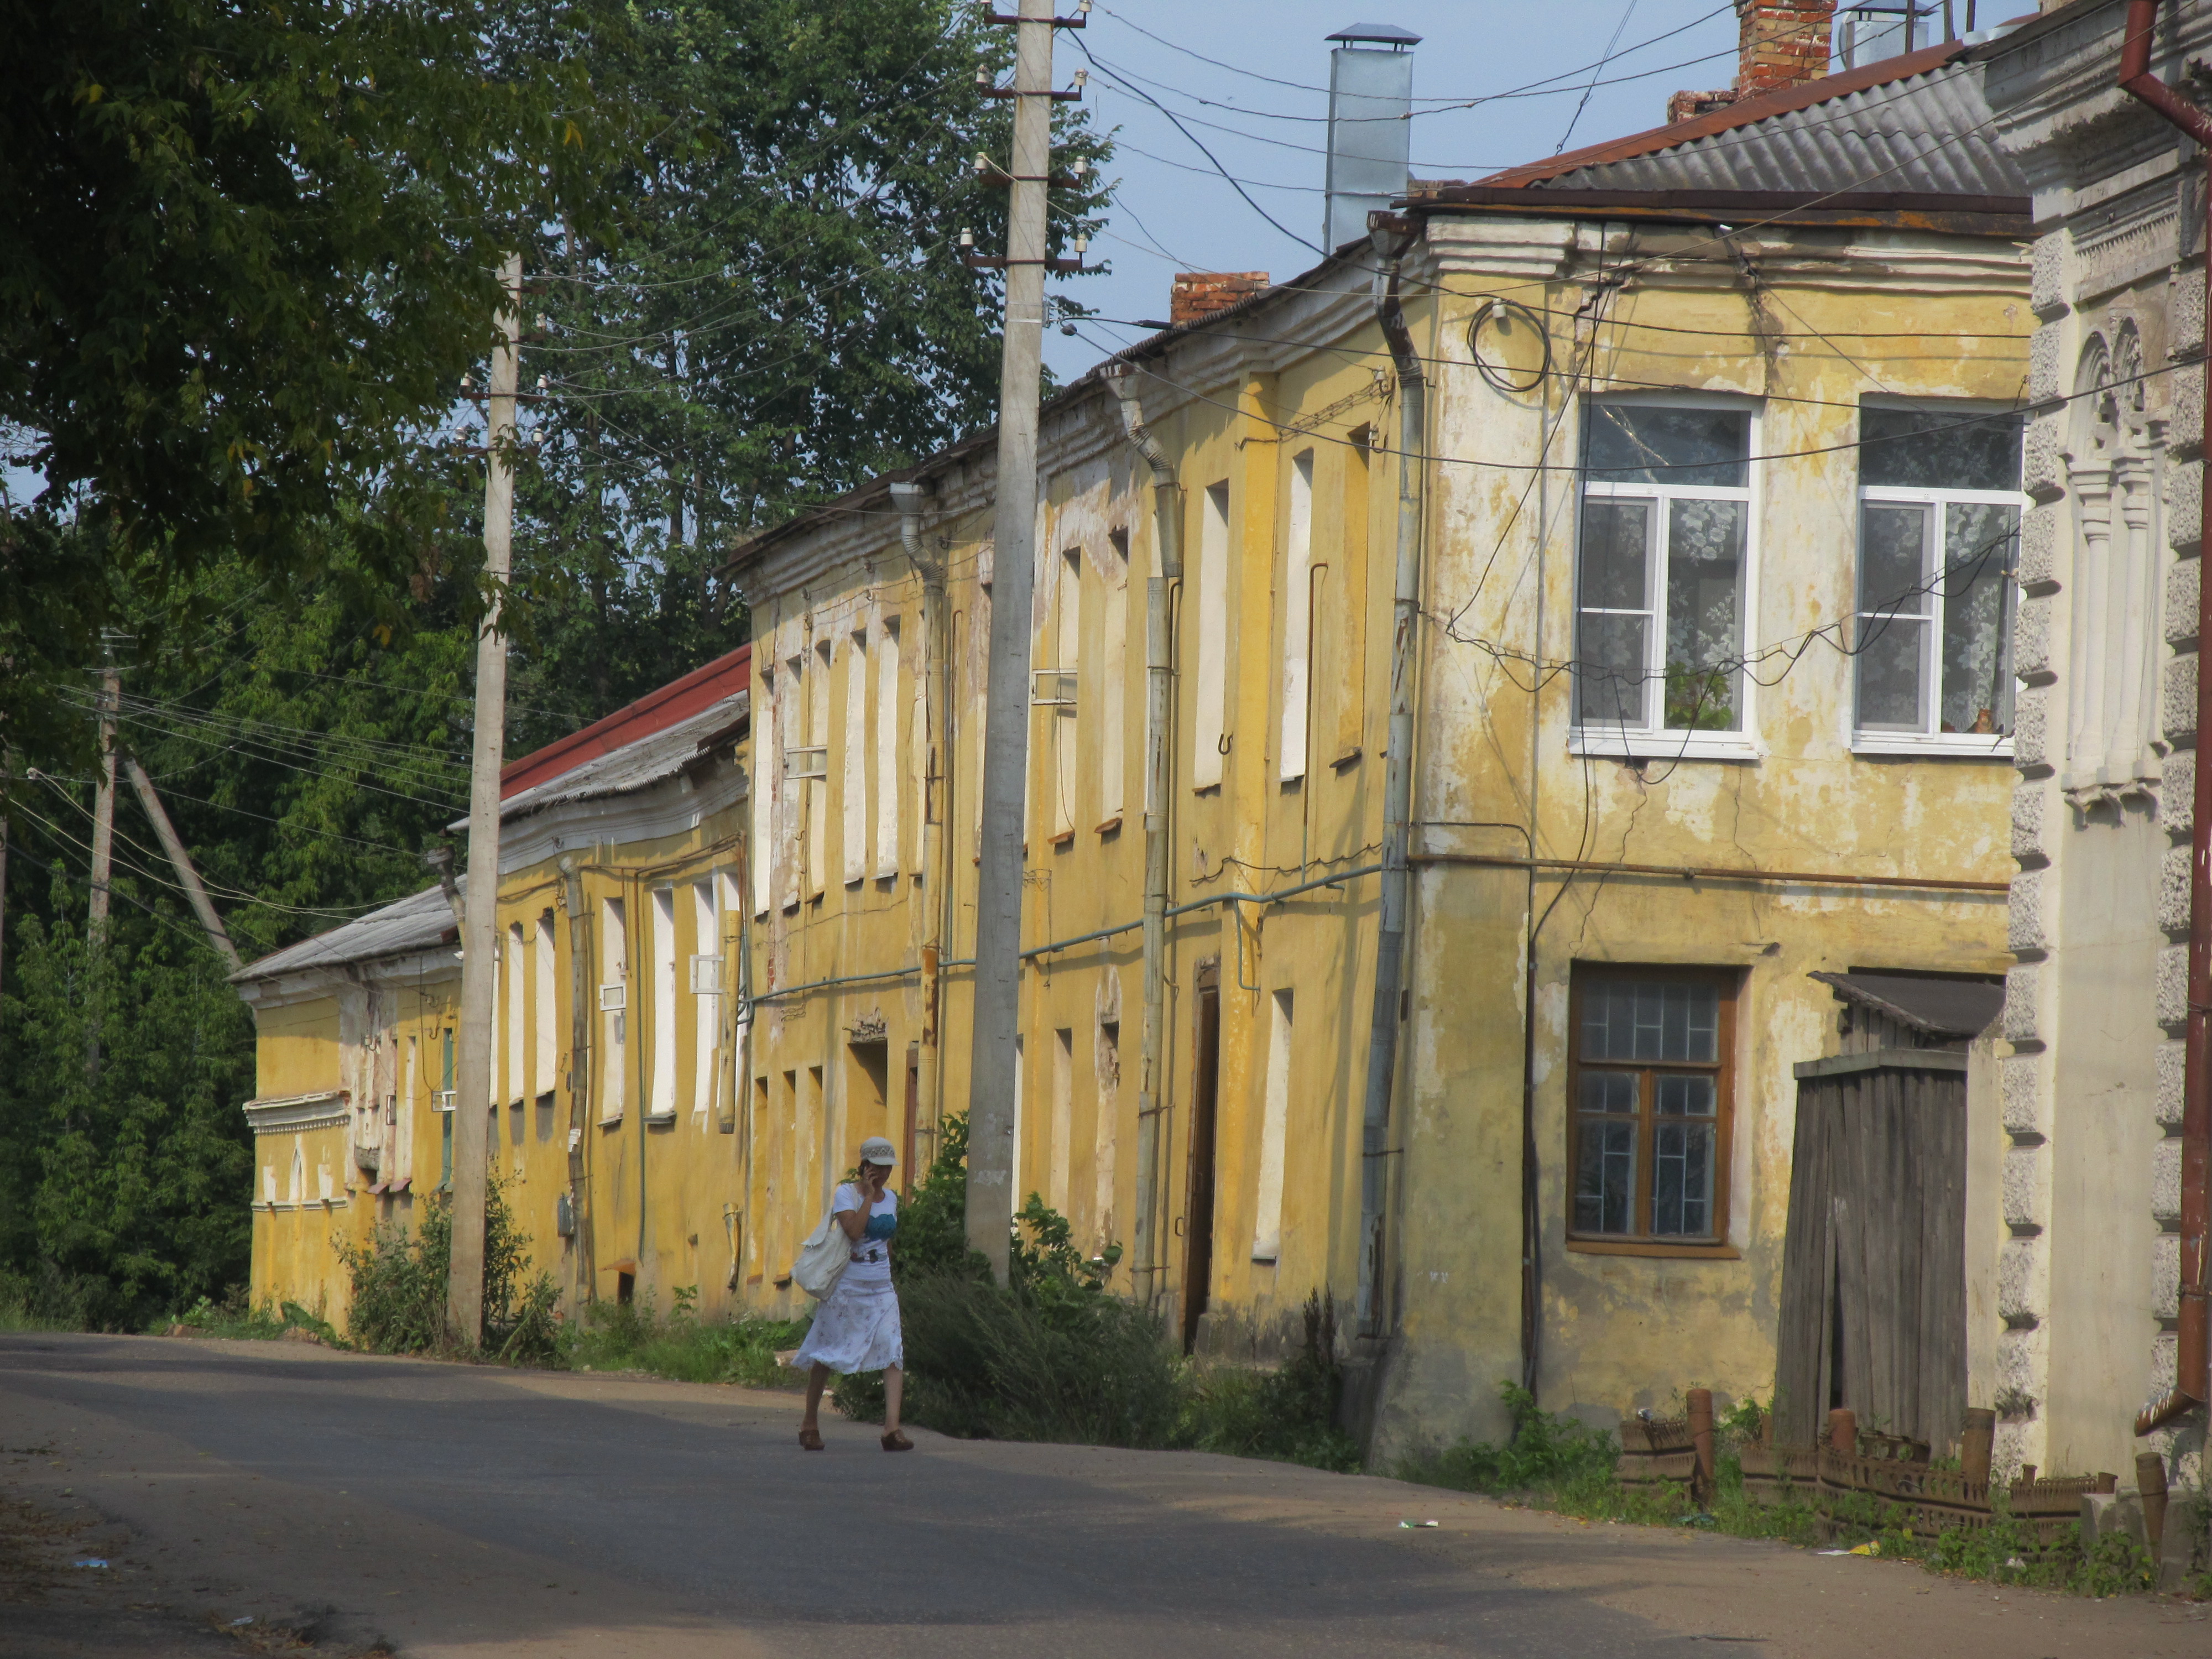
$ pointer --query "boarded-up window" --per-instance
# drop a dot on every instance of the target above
(1060, 691)
(1210, 699)
(1112, 679)
(706, 1003)
(1347, 609)
(518, 1013)
(1650, 1085)
(766, 764)
(1298, 618)
(547, 1030)
(663, 913)
(818, 795)
(887, 747)
(854, 791)
(614, 1009)
(1274, 1132)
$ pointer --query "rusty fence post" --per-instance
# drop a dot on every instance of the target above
(2150, 1481)
(1977, 1443)
(1844, 1432)
(1701, 1439)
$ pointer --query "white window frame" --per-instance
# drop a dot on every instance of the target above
(1648, 741)
(1933, 741)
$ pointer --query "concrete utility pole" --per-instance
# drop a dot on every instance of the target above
(1007, 731)
(480, 929)
(179, 860)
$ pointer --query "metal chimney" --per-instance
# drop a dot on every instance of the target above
(1370, 96)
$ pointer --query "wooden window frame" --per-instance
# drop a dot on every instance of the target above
(1728, 983)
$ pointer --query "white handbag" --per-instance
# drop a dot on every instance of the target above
(822, 1258)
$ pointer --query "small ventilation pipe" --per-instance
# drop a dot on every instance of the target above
(2193, 1374)
(1159, 792)
(1392, 237)
(909, 501)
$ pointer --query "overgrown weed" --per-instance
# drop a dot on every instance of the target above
(399, 1289)
(1554, 1462)
(629, 1336)
(1288, 1414)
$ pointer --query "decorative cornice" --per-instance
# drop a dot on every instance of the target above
(326, 1109)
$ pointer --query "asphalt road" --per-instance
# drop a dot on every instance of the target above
(447, 1510)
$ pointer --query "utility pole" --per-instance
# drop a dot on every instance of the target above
(994, 1056)
(480, 904)
(103, 849)
(103, 797)
(179, 860)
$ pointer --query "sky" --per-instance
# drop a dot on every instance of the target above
(1173, 211)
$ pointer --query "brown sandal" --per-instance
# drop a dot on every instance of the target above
(896, 1441)
(809, 1439)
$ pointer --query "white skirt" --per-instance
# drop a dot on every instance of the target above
(856, 1329)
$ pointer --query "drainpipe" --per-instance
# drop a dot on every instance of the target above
(908, 500)
(1160, 791)
(582, 1015)
(1392, 236)
(2192, 1353)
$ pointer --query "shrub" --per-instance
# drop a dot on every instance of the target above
(400, 1288)
(1288, 1413)
(1544, 1453)
(1051, 1356)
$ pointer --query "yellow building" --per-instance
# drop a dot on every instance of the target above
(612, 1118)
(1694, 602)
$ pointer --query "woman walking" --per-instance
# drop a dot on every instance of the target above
(857, 1327)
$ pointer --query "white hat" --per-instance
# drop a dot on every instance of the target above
(876, 1150)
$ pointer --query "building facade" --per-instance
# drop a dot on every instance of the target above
(2101, 811)
(1693, 600)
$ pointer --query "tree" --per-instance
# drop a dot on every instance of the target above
(247, 253)
(778, 313)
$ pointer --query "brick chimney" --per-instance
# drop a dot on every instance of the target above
(1779, 44)
(1200, 294)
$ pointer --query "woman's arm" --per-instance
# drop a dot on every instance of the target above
(856, 1222)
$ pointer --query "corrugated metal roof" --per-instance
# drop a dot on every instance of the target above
(1941, 1005)
(416, 923)
(634, 765)
(1915, 124)
(661, 707)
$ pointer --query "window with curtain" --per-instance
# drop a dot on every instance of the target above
(1939, 536)
(1660, 593)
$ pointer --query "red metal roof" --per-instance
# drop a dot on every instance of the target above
(656, 711)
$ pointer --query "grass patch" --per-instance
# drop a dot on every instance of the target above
(628, 1336)
(1552, 1462)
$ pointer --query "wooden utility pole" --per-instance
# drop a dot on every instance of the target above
(993, 1055)
(480, 903)
(103, 802)
(179, 860)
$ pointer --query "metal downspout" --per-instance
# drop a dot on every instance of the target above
(2192, 1351)
(910, 498)
(1392, 237)
(1159, 791)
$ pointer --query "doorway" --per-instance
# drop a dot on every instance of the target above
(910, 1178)
(1204, 1098)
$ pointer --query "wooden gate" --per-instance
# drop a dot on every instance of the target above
(1874, 1271)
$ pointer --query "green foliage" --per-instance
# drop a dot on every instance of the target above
(246, 254)
(123, 1187)
(399, 1284)
(1544, 1453)
(1288, 1413)
(626, 1336)
(1053, 1356)
(234, 1317)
